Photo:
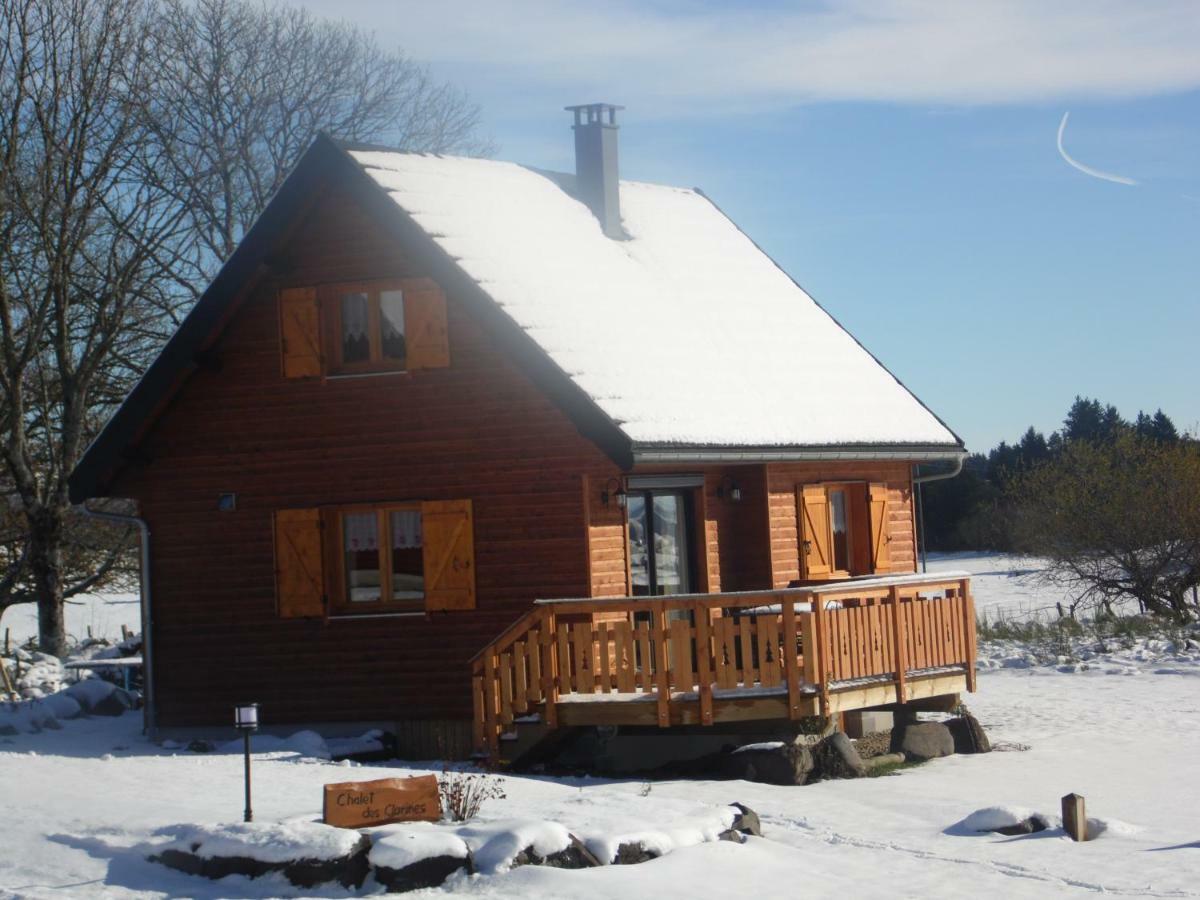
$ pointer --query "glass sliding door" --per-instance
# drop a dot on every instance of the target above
(660, 543)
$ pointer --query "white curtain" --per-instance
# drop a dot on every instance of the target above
(406, 529)
(355, 318)
(362, 532)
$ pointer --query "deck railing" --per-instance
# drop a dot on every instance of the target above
(800, 642)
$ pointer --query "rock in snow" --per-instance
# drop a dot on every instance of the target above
(307, 853)
(920, 741)
(837, 757)
(968, 735)
(1009, 820)
(406, 858)
(773, 762)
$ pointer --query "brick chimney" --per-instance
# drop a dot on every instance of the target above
(596, 163)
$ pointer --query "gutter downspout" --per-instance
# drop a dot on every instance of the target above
(939, 476)
(149, 723)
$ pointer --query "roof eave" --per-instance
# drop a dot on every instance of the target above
(647, 454)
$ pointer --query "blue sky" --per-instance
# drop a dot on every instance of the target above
(898, 158)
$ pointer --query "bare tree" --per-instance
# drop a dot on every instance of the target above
(81, 235)
(1117, 519)
(139, 139)
(248, 87)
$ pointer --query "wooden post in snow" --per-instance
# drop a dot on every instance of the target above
(1074, 816)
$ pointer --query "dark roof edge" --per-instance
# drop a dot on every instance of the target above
(176, 360)
(716, 206)
(323, 159)
(678, 453)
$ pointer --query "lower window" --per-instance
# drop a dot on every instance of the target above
(382, 558)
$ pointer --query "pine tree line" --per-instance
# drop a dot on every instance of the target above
(974, 510)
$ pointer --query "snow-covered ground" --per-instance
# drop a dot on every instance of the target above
(80, 804)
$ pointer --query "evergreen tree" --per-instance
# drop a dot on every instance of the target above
(1157, 427)
(1033, 447)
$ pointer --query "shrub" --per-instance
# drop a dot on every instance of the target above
(1117, 519)
(463, 793)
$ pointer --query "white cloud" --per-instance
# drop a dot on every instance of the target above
(671, 55)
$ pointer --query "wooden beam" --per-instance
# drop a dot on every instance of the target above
(969, 629)
(1074, 816)
(662, 677)
(490, 704)
(821, 645)
(550, 670)
(791, 664)
(703, 670)
(478, 738)
(898, 638)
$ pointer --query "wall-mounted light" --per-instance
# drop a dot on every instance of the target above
(728, 489)
(245, 719)
(614, 491)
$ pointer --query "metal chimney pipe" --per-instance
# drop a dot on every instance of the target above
(596, 163)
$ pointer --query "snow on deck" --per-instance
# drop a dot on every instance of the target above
(686, 333)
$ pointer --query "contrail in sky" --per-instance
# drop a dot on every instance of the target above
(1086, 170)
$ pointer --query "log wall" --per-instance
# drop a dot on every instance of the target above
(782, 480)
(478, 429)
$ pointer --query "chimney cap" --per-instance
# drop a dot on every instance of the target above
(593, 113)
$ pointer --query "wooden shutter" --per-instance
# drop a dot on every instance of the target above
(815, 531)
(300, 332)
(877, 500)
(299, 574)
(449, 552)
(427, 345)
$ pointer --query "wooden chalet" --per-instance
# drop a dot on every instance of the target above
(427, 397)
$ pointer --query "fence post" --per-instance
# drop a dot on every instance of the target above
(898, 636)
(821, 645)
(662, 677)
(791, 666)
(550, 664)
(1074, 814)
(489, 705)
(703, 669)
(969, 631)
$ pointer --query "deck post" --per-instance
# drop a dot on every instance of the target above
(821, 644)
(898, 633)
(478, 738)
(662, 677)
(550, 664)
(969, 631)
(489, 705)
(791, 665)
(703, 669)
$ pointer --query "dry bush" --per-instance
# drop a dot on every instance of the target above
(463, 793)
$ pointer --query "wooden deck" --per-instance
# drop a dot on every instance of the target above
(708, 658)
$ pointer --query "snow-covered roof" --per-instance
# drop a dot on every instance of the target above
(684, 334)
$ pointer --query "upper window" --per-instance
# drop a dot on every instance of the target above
(362, 328)
(368, 329)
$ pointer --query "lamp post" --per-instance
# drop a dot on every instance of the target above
(245, 718)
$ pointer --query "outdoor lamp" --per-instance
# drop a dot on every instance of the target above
(245, 719)
(608, 493)
(245, 716)
(729, 488)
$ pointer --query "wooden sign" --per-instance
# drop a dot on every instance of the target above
(357, 804)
